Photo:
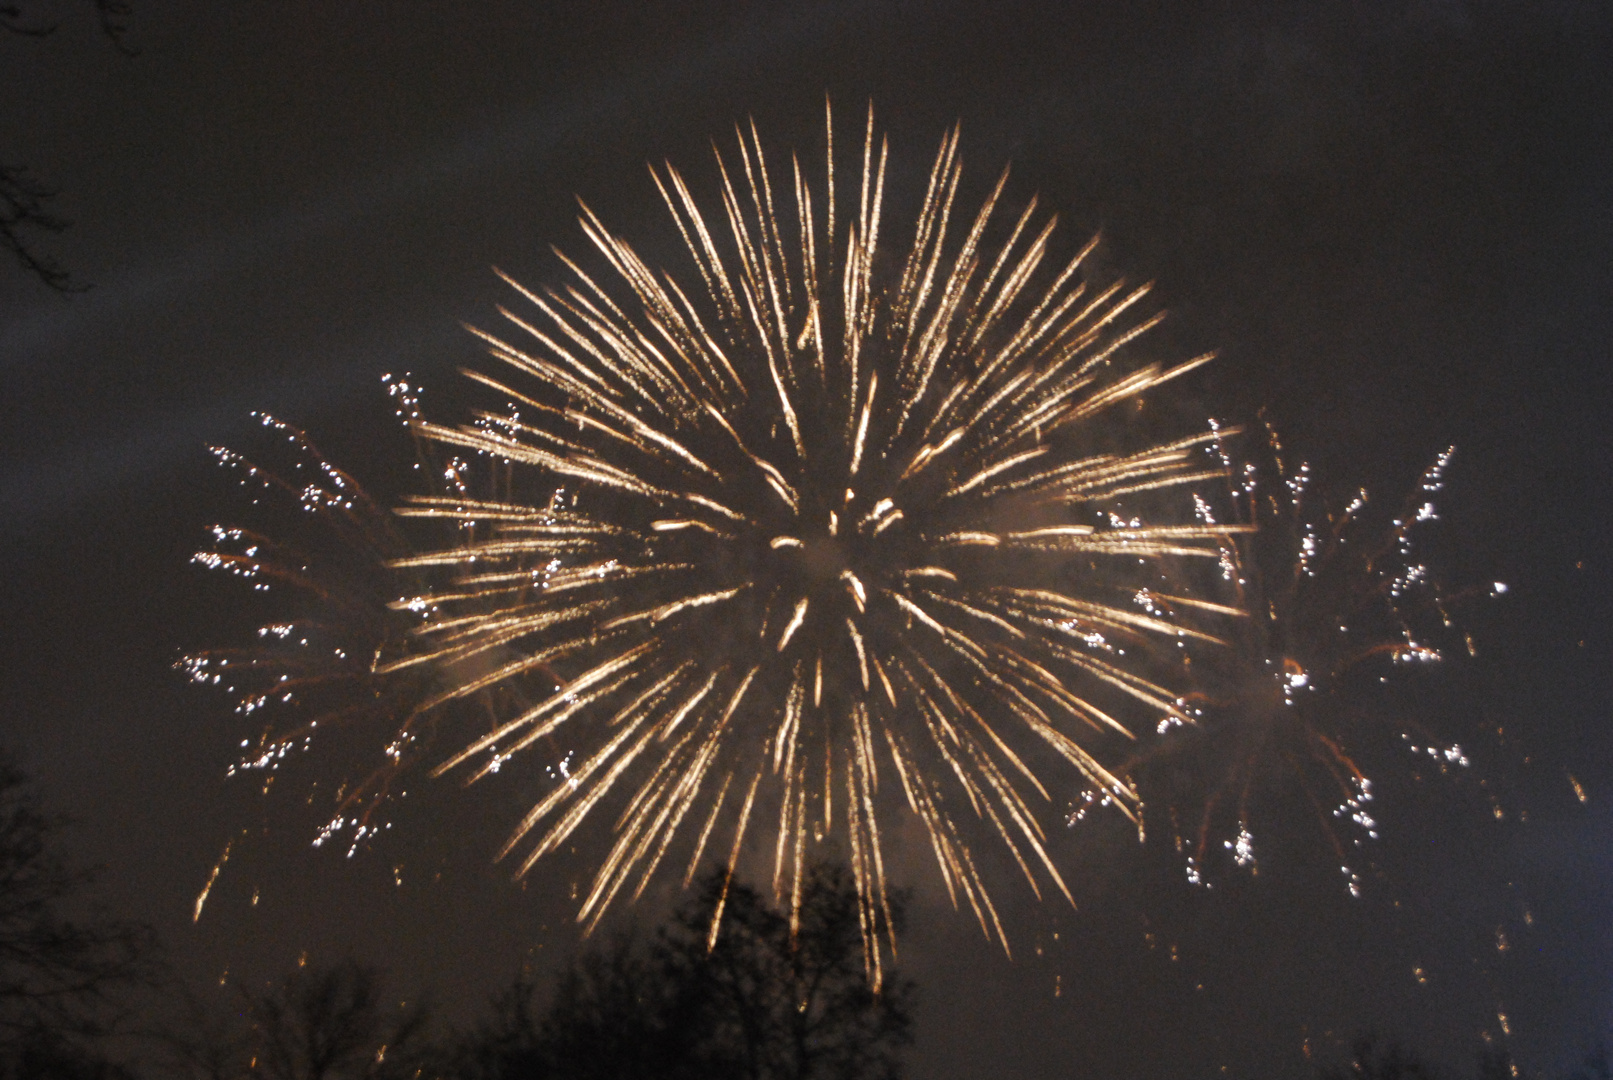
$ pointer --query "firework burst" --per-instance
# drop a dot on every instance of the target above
(1329, 600)
(324, 668)
(820, 518)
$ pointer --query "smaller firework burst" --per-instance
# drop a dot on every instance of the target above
(1324, 602)
(332, 663)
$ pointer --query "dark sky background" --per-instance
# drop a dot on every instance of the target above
(1395, 220)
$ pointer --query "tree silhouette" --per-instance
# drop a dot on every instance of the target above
(761, 1003)
(769, 1003)
(511, 1044)
(1368, 1062)
(329, 1023)
(25, 200)
(318, 1023)
(61, 961)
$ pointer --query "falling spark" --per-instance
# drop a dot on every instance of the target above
(201, 898)
(1579, 789)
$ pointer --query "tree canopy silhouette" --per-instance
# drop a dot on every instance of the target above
(318, 1023)
(61, 960)
(761, 1002)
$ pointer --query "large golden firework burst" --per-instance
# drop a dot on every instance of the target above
(831, 518)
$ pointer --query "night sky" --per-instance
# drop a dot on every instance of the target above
(1394, 220)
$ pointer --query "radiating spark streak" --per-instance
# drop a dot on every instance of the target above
(561, 376)
(748, 262)
(978, 613)
(580, 468)
(635, 839)
(800, 846)
(1019, 813)
(996, 469)
(563, 828)
(862, 655)
(881, 508)
(712, 504)
(582, 682)
(917, 612)
(862, 424)
(1144, 692)
(884, 680)
(855, 585)
(579, 704)
(666, 611)
(641, 432)
(701, 264)
(774, 477)
(733, 860)
(688, 706)
(874, 885)
(927, 453)
(783, 740)
(1072, 751)
(1101, 613)
(1204, 605)
(792, 779)
(624, 366)
(634, 349)
(705, 833)
(969, 538)
(459, 639)
(991, 734)
(1058, 532)
(520, 666)
(794, 623)
(738, 696)
(829, 168)
(1032, 331)
(689, 790)
(581, 775)
(812, 327)
(490, 551)
(978, 324)
(673, 524)
(963, 269)
(786, 807)
(1174, 481)
(1010, 290)
(944, 737)
(599, 574)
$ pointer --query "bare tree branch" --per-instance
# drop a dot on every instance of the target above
(114, 16)
(24, 199)
(24, 204)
